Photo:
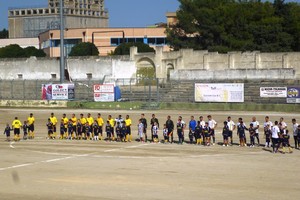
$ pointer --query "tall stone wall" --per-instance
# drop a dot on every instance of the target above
(96, 68)
(189, 64)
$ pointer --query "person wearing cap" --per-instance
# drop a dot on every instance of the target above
(30, 121)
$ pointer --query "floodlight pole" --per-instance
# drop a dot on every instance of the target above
(62, 49)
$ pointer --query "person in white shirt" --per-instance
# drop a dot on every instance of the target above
(183, 125)
(295, 132)
(212, 125)
(256, 127)
(275, 137)
(231, 126)
(283, 125)
(267, 130)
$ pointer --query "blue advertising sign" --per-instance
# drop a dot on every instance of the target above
(293, 95)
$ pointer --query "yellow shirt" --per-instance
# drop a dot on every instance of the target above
(83, 120)
(66, 120)
(128, 122)
(74, 121)
(53, 120)
(30, 120)
(100, 121)
(111, 122)
(90, 120)
(16, 123)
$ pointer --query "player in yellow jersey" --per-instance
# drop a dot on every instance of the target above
(16, 125)
(90, 121)
(53, 120)
(65, 120)
(83, 122)
(112, 123)
(128, 128)
(74, 122)
(100, 123)
(30, 123)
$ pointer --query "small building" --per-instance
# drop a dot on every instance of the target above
(30, 22)
(106, 39)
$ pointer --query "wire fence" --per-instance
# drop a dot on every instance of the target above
(141, 89)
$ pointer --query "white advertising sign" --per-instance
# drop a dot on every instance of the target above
(104, 93)
(273, 92)
(219, 92)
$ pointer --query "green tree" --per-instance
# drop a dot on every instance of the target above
(124, 48)
(4, 33)
(32, 51)
(15, 51)
(231, 25)
(12, 51)
(84, 49)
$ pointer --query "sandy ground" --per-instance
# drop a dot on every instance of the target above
(61, 169)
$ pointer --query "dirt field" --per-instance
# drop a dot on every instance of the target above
(56, 169)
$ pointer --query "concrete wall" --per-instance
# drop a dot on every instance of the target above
(189, 65)
(44, 68)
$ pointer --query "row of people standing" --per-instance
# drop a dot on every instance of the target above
(17, 126)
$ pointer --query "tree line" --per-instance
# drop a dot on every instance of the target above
(236, 25)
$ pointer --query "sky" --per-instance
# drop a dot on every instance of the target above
(122, 13)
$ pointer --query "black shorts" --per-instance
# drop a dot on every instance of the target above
(225, 137)
(241, 135)
(128, 130)
(230, 134)
(212, 133)
(31, 127)
(100, 130)
(50, 132)
(54, 129)
(7, 134)
(74, 128)
(17, 131)
(206, 135)
(155, 136)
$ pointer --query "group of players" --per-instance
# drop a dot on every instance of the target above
(199, 132)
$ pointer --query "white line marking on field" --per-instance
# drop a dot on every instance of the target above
(11, 145)
(128, 147)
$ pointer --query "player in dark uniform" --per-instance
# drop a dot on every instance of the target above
(180, 127)
(206, 132)
(118, 131)
(88, 131)
(50, 128)
(241, 133)
(198, 131)
(170, 127)
(7, 132)
(152, 122)
(70, 129)
(108, 130)
(124, 133)
(144, 122)
(25, 130)
(95, 130)
(225, 133)
(79, 128)
(252, 133)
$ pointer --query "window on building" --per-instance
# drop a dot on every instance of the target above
(152, 41)
(89, 75)
(139, 39)
(160, 41)
(114, 41)
(53, 76)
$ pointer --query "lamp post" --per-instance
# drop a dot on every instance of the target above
(62, 52)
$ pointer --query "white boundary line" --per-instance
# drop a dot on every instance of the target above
(128, 147)
(11, 145)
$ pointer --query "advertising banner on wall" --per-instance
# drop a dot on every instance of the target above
(293, 95)
(219, 92)
(58, 91)
(104, 93)
(273, 92)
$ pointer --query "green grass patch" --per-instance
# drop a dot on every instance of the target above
(186, 106)
(105, 105)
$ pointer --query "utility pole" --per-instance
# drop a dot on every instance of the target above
(62, 49)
